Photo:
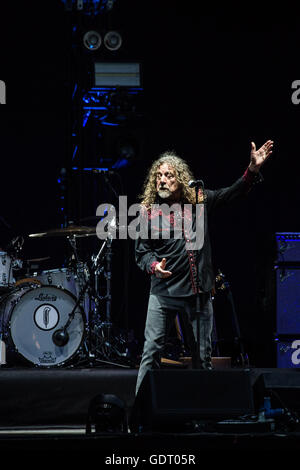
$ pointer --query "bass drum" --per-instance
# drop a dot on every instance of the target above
(31, 314)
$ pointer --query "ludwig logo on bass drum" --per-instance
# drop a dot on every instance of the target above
(46, 298)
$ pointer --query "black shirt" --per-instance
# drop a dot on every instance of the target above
(183, 260)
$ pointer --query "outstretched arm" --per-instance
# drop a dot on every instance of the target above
(258, 157)
(243, 185)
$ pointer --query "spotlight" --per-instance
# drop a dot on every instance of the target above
(112, 40)
(92, 40)
(107, 414)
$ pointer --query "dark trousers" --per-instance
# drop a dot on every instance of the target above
(162, 310)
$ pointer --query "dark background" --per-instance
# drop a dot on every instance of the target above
(214, 80)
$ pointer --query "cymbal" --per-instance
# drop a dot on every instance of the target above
(66, 232)
(114, 224)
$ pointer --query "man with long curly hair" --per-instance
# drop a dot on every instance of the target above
(179, 272)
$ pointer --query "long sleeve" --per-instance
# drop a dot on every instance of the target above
(144, 256)
(240, 188)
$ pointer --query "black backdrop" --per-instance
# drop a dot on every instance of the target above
(213, 82)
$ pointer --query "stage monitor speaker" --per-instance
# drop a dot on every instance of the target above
(173, 399)
(283, 386)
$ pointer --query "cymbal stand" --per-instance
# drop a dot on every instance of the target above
(100, 341)
(108, 258)
(94, 318)
(85, 289)
(72, 241)
(82, 276)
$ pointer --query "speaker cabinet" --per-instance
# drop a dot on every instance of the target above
(288, 247)
(288, 300)
(171, 399)
(288, 352)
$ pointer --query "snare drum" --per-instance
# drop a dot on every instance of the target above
(31, 314)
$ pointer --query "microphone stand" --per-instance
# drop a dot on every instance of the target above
(60, 337)
(198, 184)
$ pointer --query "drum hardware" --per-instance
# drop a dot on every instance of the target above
(98, 269)
(6, 272)
(14, 249)
(27, 281)
(32, 265)
(99, 345)
(61, 337)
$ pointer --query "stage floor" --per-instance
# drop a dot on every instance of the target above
(43, 409)
(52, 442)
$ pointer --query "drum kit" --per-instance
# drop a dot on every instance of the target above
(53, 318)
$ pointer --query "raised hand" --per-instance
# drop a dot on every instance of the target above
(258, 157)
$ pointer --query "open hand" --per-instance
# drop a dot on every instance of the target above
(160, 269)
(258, 157)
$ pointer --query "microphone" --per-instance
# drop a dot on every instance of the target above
(194, 183)
(60, 337)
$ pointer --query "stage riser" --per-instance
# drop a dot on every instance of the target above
(33, 397)
(57, 397)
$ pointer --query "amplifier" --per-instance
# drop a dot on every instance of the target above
(288, 247)
(288, 353)
(287, 300)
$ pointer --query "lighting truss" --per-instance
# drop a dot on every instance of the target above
(89, 7)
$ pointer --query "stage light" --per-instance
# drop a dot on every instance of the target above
(112, 40)
(106, 414)
(89, 7)
(114, 74)
(92, 40)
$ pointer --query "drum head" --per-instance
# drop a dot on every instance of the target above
(36, 316)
